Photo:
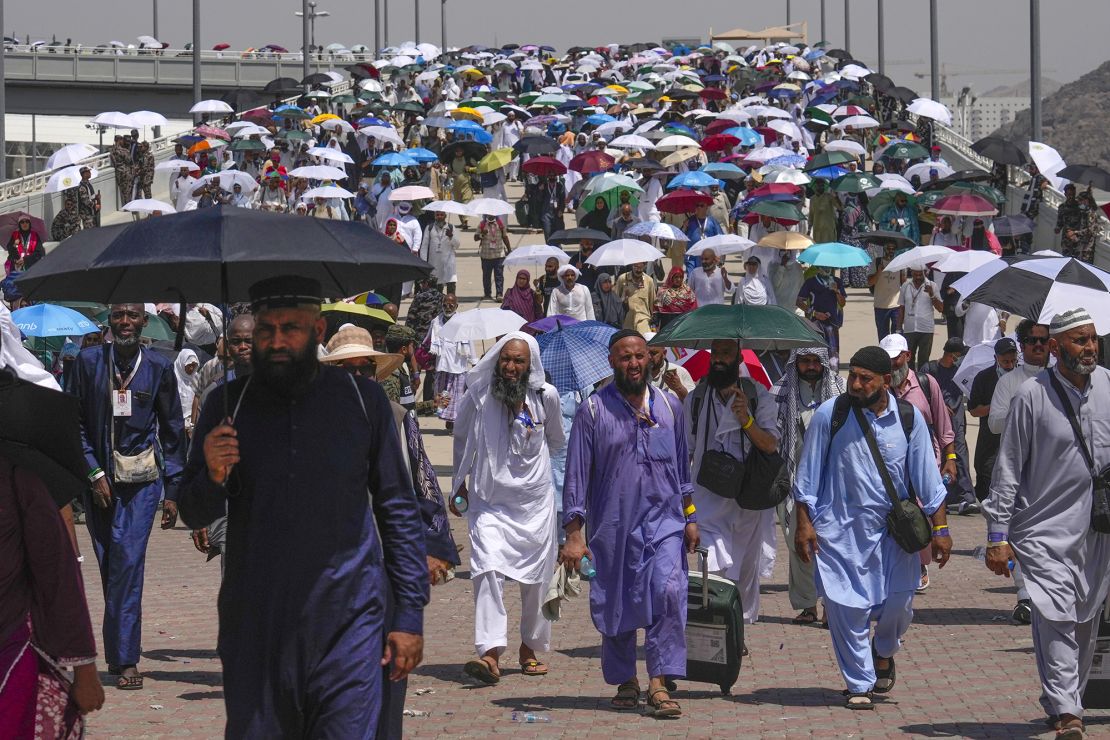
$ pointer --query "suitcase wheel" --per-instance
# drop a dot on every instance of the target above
(726, 691)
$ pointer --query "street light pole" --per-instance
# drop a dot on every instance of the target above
(305, 38)
(377, 27)
(385, 22)
(1035, 132)
(196, 52)
(442, 24)
(823, 36)
(156, 19)
(934, 52)
(882, 40)
(416, 33)
(788, 12)
(3, 102)
(848, 25)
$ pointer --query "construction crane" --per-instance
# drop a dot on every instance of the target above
(945, 74)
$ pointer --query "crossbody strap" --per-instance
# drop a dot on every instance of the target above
(875, 453)
(1070, 413)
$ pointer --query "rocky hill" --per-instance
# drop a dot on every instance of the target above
(1075, 119)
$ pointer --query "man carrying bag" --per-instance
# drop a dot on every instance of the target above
(866, 463)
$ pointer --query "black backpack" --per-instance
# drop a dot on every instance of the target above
(841, 410)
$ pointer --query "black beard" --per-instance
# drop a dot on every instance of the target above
(509, 392)
(286, 379)
(630, 387)
(811, 376)
(863, 403)
(722, 376)
(1072, 363)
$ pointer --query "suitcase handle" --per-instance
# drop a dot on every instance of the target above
(703, 561)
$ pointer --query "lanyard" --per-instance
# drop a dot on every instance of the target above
(123, 383)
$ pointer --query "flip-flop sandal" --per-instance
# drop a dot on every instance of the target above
(806, 616)
(1071, 730)
(129, 683)
(858, 700)
(533, 667)
(664, 708)
(480, 669)
(628, 697)
(885, 677)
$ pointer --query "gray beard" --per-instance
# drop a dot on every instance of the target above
(899, 376)
(130, 341)
(1073, 364)
(509, 392)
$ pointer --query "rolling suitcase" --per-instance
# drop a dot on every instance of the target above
(523, 218)
(1097, 693)
(714, 628)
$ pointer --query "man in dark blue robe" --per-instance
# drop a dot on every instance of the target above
(309, 472)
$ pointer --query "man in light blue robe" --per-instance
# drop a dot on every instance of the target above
(842, 504)
(628, 481)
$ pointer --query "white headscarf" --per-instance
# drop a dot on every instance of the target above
(480, 378)
(186, 383)
(17, 358)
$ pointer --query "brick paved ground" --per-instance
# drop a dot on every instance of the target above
(965, 671)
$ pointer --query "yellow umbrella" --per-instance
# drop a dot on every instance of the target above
(613, 90)
(468, 113)
(788, 86)
(495, 160)
(474, 73)
(358, 309)
(790, 240)
(323, 117)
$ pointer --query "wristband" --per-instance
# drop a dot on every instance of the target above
(95, 473)
(942, 532)
(692, 519)
(747, 425)
(689, 510)
(951, 456)
(996, 537)
(999, 543)
(940, 527)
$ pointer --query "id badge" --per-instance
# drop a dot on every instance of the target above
(121, 403)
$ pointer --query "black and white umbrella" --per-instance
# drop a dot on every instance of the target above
(1040, 287)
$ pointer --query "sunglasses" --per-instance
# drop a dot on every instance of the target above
(366, 371)
(1035, 340)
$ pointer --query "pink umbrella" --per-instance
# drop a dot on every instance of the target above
(964, 204)
(213, 132)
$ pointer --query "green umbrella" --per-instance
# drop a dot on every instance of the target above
(756, 327)
(247, 145)
(905, 150)
(976, 188)
(609, 186)
(855, 182)
(346, 99)
(156, 329)
(88, 309)
(885, 199)
(777, 209)
(295, 114)
(527, 98)
(292, 134)
(409, 107)
(829, 159)
(816, 114)
(929, 198)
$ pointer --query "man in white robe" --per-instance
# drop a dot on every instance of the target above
(509, 425)
(438, 248)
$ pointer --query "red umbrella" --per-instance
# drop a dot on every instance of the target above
(719, 142)
(263, 115)
(592, 161)
(221, 46)
(964, 204)
(719, 125)
(682, 200)
(544, 166)
(9, 222)
(712, 93)
(696, 362)
(774, 188)
(212, 131)
(770, 136)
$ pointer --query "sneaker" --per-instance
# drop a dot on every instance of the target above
(1023, 612)
(924, 582)
(968, 508)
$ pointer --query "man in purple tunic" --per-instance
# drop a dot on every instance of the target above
(628, 479)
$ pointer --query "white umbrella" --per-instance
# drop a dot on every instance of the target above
(787, 175)
(327, 191)
(891, 181)
(857, 122)
(447, 206)
(381, 133)
(786, 128)
(148, 205)
(965, 261)
(624, 252)
(481, 323)
(229, 178)
(676, 142)
(149, 42)
(611, 127)
(70, 177)
(767, 153)
(846, 145)
(70, 154)
(921, 169)
(319, 172)
(488, 207)
(722, 244)
(115, 119)
(917, 258)
(211, 106)
(488, 119)
(337, 124)
(536, 254)
(1048, 161)
(657, 230)
(173, 165)
(632, 141)
(243, 129)
(975, 360)
(411, 192)
(931, 109)
(148, 118)
(324, 152)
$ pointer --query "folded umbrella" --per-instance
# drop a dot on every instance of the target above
(836, 255)
(481, 323)
(755, 327)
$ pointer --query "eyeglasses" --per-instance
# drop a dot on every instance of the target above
(1035, 340)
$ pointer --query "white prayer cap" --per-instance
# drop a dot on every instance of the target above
(568, 268)
(1069, 320)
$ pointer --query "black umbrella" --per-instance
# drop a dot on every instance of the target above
(1013, 225)
(317, 78)
(241, 99)
(678, 93)
(362, 71)
(1086, 174)
(282, 85)
(644, 164)
(536, 145)
(1000, 150)
(897, 125)
(572, 236)
(899, 239)
(215, 255)
(880, 82)
(471, 150)
(901, 93)
(838, 54)
(956, 177)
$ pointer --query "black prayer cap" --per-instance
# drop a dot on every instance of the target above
(624, 334)
(874, 359)
(285, 291)
(955, 345)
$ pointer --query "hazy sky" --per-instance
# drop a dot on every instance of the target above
(984, 43)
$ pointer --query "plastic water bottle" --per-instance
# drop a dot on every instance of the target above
(587, 568)
(980, 553)
(529, 717)
(462, 503)
(947, 478)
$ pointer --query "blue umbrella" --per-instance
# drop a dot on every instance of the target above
(828, 173)
(420, 154)
(694, 179)
(599, 118)
(48, 320)
(595, 331)
(371, 121)
(680, 128)
(787, 160)
(835, 254)
(747, 136)
(723, 170)
(471, 130)
(394, 159)
(572, 360)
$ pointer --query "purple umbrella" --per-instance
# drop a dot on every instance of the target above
(550, 323)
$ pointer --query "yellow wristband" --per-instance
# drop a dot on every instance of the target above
(950, 456)
(688, 510)
(939, 527)
(748, 424)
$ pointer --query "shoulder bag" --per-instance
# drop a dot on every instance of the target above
(1100, 479)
